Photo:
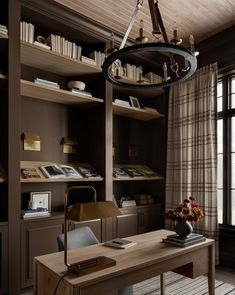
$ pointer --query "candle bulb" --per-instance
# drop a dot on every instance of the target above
(165, 72)
(141, 38)
(192, 48)
(186, 66)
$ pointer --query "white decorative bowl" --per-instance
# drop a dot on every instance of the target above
(76, 84)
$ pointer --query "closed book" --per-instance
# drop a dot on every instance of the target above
(42, 45)
(46, 82)
(119, 243)
(82, 92)
(184, 244)
(190, 238)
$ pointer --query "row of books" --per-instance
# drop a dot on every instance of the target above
(133, 172)
(3, 29)
(62, 46)
(134, 73)
(98, 57)
(153, 78)
(27, 32)
(60, 171)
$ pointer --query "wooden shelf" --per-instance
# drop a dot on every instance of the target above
(43, 179)
(43, 92)
(140, 168)
(47, 60)
(135, 113)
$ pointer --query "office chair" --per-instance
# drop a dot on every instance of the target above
(82, 237)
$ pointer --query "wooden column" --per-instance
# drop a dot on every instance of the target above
(14, 146)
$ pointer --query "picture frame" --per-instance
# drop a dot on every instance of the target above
(134, 102)
(41, 200)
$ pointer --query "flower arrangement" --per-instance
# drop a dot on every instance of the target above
(189, 210)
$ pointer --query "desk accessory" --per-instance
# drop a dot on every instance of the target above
(84, 212)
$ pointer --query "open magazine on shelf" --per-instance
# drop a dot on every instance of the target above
(60, 171)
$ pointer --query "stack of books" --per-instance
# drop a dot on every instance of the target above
(82, 92)
(190, 240)
(3, 30)
(46, 83)
(27, 32)
(39, 212)
(88, 60)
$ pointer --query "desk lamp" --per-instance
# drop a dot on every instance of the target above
(84, 212)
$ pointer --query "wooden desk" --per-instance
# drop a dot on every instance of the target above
(150, 257)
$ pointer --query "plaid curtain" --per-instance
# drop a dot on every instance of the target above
(191, 147)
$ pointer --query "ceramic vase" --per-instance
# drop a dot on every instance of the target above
(183, 229)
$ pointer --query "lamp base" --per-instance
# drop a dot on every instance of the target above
(91, 265)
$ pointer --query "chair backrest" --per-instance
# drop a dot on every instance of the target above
(77, 238)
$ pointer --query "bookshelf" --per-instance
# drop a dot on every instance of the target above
(95, 122)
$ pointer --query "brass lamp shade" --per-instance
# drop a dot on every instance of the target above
(93, 210)
(84, 212)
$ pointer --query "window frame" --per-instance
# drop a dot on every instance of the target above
(226, 115)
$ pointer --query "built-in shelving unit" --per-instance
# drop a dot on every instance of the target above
(135, 113)
(44, 92)
(47, 60)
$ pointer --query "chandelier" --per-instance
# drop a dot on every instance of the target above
(155, 64)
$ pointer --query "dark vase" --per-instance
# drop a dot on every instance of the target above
(183, 229)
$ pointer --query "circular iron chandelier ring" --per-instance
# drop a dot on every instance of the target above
(158, 47)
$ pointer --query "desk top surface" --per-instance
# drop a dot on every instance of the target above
(149, 250)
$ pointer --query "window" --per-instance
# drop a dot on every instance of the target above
(226, 150)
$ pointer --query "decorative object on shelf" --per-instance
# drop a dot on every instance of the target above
(134, 102)
(84, 212)
(69, 145)
(76, 85)
(182, 214)
(32, 141)
(40, 200)
(119, 172)
(144, 199)
(122, 102)
(133, 172)
(42, 42)
(28, 173)
(169, 58)
(60, 171)
(88, 172)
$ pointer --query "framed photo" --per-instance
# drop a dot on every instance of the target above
(134, 102)
(41, 200)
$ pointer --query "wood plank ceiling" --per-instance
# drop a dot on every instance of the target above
(202, 18)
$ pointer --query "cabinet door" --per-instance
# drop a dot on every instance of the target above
(127, 225)
(3, 259)
(149, 218)
(37, 238)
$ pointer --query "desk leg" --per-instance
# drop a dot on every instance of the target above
(162, 281)
(211, 272)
